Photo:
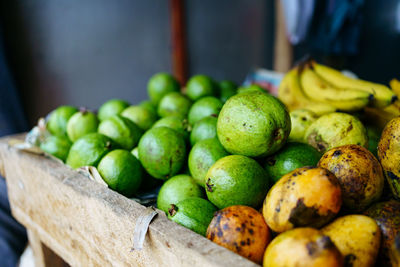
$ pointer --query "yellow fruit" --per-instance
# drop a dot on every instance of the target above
(302, 247)
(389, 154)
(241, 229)
(292, 95)
(307, 196)
(357, 237)
(359, 173)
(383, 96)
(347, 99)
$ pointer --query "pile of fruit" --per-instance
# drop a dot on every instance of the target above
(287, 181)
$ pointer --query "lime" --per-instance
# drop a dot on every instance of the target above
(122, 131)
(236, 180)
(193, 213)
(177, 188)
(57, 146)
(174, 122)
(58, 119)
(204, 107)
(162, 152)
(205, 128)
(199, 86)
(149, 106)
(148, 181)
(202, 156)
(301, 119)
(81, 123)
(121, 171)
(111, 107)
(374, 136)
(292, 156)
(161, 84)
(174, 104)
(227, 89)
(253, 124)
(143, 117)
(88, 150)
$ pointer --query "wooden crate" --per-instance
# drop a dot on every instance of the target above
(87, 224)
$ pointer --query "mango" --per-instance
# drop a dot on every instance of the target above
(359, 173)
(242, 230)
(307, 196)
(302, 247)
(357, 237)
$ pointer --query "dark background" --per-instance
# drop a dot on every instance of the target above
(86, 52)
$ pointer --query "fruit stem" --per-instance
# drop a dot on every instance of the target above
(172, 210)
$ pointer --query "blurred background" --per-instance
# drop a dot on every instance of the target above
(85, 52)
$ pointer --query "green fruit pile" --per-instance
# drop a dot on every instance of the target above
(215, 147)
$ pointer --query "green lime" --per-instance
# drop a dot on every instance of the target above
(374, 136)
(227, 89)
(204, 107)
(149, 106)
(199, 86)
(162, 152)
(82, 123)
(177, 188)
(252, 87)
(143, 117)
(58, 119)
(174, 104)
(111, 107)
(88, 150)
(148, 181)
(202, 156)
(205, 128)
(253, 124)
(174, 122)
(57, 146)
(161, 84)
(121, 171)
(236, 180)
(193, 213)
(122, 131)
(292, 156)
(301, 119)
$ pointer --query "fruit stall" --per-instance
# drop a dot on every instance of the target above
(299, 166)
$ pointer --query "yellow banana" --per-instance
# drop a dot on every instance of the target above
(291, 94)
(383, 96)
(318, 89)
(395, 85)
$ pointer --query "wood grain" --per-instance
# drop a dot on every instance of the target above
(90, 225)
(283, 50)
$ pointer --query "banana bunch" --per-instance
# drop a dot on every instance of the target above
(292, 95)
(381, 116)
(323, 90)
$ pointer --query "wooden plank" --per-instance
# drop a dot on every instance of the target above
(88, 224)
(283, 50)
(44, 257)
(178, 39)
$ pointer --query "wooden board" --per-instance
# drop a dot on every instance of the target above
(88, 224)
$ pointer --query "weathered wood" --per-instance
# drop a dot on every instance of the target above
(44, 257)
(178, 39)
(283, 50)
(88, 224)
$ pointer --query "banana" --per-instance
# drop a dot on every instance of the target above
(318, 89)
(383, 96)
(395, 85)
(291, 94)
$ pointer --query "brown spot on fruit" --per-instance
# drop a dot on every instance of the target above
(229, 231)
